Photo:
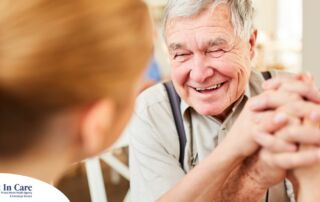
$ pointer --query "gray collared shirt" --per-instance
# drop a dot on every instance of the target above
(154, 144)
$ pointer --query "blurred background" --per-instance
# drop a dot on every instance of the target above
(287, 40)
(287, 35)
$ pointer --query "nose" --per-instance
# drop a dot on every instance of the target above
(200, 70)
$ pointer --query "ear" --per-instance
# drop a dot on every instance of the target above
(95, 124)
(252, 42)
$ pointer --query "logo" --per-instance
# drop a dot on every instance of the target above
(17, 188)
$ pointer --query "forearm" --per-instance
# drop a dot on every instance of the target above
(308, 182)
(309, 194)
(205, 181)
(242, 187)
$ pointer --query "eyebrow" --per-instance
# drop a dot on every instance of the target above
(175, 46)
(217, 42)
(211, 43)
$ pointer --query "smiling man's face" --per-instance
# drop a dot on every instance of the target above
(210, 64)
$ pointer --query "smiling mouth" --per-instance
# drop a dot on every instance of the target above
(209, 89)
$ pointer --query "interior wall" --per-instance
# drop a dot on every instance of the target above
(311, 41)
(266, 15)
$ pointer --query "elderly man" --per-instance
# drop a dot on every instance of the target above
(211, 45)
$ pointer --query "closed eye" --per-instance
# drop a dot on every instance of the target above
(181, 56)
(216, 53)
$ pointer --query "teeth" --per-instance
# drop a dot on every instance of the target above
(210, 88)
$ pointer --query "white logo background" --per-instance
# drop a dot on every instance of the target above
(17, 188)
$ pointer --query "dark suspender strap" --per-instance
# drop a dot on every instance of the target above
(267, 196)
(174, 100)
(266, 75)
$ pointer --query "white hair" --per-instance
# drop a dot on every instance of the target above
(242, 12)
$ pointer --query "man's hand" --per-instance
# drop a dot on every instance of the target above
(301, 84)
(295, 134)
(307, 159)
(305, 162)
(253, 176)
(309, 173)
(275, 112)
(284, 96)
(257, 118)
(266, 174)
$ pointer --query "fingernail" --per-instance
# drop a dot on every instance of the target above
(280, 118)
(261, 137)
(292, 148)
(309, 75)
(256, 104)
(314, 117)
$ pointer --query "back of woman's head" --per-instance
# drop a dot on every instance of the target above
(58, 54)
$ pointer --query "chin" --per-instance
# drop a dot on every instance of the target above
(209, 111)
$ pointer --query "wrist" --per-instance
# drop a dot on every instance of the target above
(252, 180)
(242, 187)
(253, 175)
(230, 151)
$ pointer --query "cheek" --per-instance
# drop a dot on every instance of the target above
(238, 71)
(236, 66)
(240, 82)
(179, 73)
(227, 67)
(120, 122)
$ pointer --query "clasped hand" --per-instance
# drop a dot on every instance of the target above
(277, 133)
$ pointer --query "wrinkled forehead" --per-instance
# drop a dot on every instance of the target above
(213, 16)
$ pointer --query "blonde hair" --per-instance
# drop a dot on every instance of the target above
(56, 54)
